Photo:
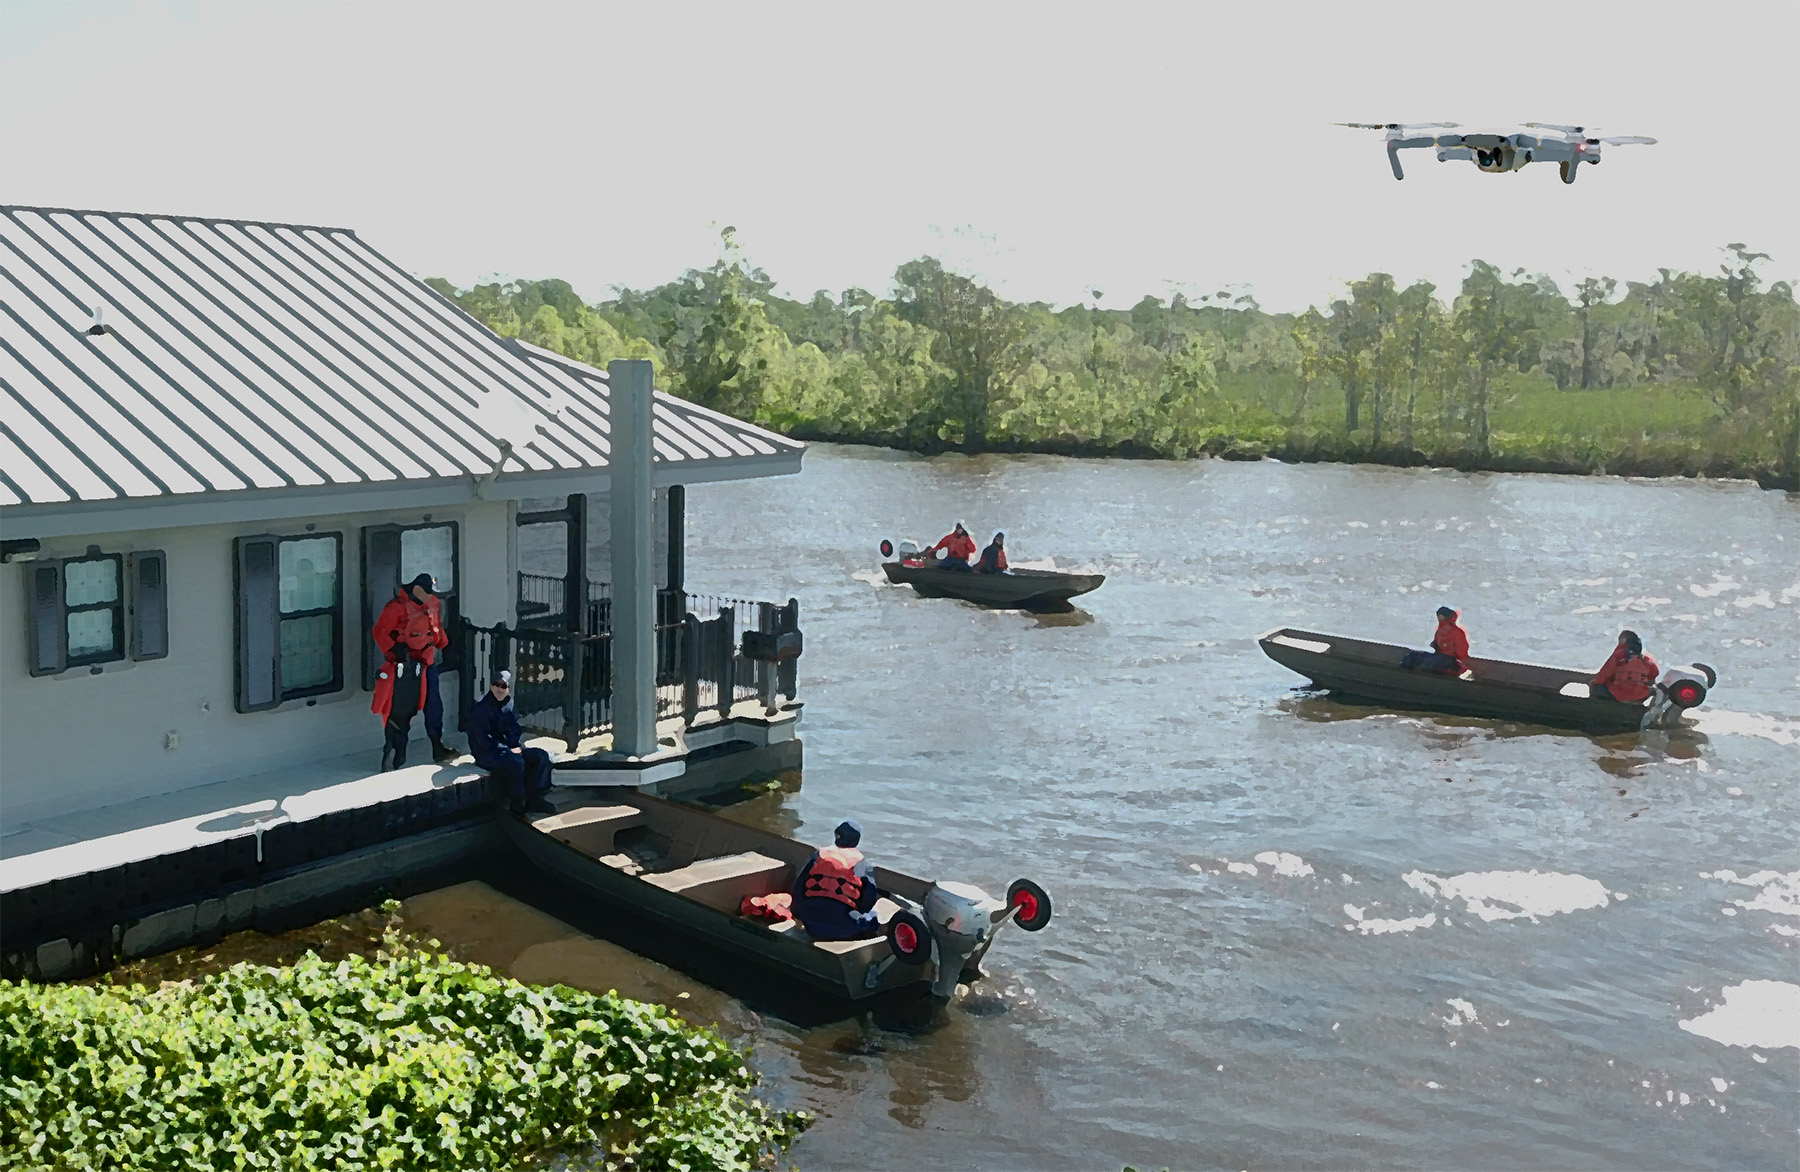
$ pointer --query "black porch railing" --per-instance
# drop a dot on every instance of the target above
(562, 679)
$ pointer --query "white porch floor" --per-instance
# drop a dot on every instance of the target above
(109, 836)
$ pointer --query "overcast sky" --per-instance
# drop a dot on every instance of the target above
(1052, 149)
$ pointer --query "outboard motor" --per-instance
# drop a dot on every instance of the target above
(958, 924)
(1679, 689)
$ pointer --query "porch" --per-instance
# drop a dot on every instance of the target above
(726, 670)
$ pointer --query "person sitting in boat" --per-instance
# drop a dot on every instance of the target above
(1449, 647)
(494, 741)
(993, 558)
(1628, 673)
(835, 893)
(958, 548)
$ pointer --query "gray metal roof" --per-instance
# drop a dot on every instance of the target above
(240, 356)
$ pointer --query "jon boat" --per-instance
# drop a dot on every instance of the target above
(690, 870)
(1370, 672)
(1013, 590)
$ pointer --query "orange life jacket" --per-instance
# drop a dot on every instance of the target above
(1632, 678)
(833, 876)
(420, 626)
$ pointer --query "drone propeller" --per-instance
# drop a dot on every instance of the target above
(1554, 126)
(1627, 139)
(1395, 125)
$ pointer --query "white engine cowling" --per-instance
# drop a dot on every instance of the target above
(961, 917)
(909, 548)
(1686, 686)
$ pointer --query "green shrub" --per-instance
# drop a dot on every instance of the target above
(409, 1061)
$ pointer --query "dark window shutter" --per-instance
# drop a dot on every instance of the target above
(44, 590)
(258, 624)
(149, 604)
(381, 578)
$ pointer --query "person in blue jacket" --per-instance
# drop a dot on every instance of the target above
(494, 741)
(835, 893)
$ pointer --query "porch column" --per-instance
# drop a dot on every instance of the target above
(631, 500)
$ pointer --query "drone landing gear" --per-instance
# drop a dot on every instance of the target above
(1569, 169)
(1394, 159)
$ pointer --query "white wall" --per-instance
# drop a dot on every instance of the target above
(79, 740)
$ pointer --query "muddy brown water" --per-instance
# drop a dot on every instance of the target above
(1290, 933)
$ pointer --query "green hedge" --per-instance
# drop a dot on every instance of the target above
(409, 1061)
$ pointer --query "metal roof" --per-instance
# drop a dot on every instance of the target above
(234, 356)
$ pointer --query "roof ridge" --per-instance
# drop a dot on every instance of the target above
(9, 209)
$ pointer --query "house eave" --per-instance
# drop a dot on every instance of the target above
(135, 514)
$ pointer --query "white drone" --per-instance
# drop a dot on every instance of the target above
(1502, 148)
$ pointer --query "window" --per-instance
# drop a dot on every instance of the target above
(100, 608)
(394, 554)
(290, 620)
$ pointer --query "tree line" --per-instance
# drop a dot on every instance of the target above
(1690, 373)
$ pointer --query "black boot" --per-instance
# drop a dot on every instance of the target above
(387, 757)
(440, 752)
(400, 755)
(540, 804)
(517, 806)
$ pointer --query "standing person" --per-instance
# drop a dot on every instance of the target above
(993, 558)
(835, 893)
(1627, 674)
(1449, 647)
(410, 630)
(958, 548)
(494, 741)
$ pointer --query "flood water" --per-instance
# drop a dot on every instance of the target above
(1289, 933)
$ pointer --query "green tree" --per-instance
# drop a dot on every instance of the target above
(979, 340)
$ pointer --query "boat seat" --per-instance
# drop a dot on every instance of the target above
(723, 882)
(590, 829)
(884, 911)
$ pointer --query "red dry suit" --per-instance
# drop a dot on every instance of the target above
(957, 545)
(1628, 677)
(419, 626)
(1452, 640)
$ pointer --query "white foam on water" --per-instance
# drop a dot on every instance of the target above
(1784, 930)
(1587, 581)
(1747, 724)
(1761, 598)
(1282, 863)
(1777, 892)
(1464, 1015)
(1241, 868)
(1719, 1085)
(1385, 927)
(1791, 594)
(875, 579)
(1720, 585)
(1512, 895)
(1752, 1013)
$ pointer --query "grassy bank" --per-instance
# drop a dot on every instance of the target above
(400, 1059)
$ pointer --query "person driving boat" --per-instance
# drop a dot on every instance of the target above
(958, 548)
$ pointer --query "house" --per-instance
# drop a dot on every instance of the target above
(223, 446)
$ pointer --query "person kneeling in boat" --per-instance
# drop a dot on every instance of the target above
(1449, 647)
(835, 894)
(1628, 673)
(993, 558)
(494, 740)
(958, 548)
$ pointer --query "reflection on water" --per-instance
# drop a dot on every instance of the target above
(1206, 996)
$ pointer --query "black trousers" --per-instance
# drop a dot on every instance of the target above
(405, 704)
(526, 772)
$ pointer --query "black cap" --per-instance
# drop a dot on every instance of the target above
(1445, 612)
(424, 580)
(849, 832)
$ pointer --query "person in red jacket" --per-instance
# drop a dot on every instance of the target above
(1449, 647)
(1628, 673)
(958, 548)
(410, 633)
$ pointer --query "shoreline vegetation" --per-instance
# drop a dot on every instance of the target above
(1691, 375)
(352, 1045)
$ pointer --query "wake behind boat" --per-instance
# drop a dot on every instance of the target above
(1367, 671)
(1015, 589)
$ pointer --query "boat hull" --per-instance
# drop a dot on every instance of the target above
(839, 969)
(1370, 672)
(1014, 590)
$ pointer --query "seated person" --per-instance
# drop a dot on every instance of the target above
(993, 558)
(1628, 673)
(958, 548)
(494, 741)
(1449, 647)
(835, 893)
